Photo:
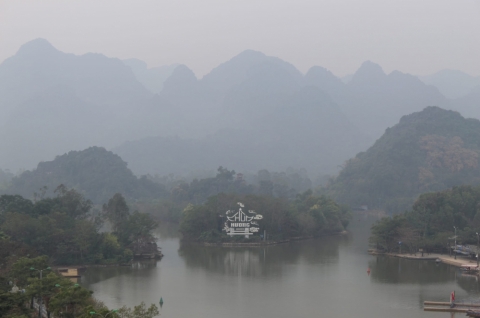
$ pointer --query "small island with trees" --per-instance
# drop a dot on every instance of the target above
(307, 216)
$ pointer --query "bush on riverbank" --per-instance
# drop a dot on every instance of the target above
(307, 215)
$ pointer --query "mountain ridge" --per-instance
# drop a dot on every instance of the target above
(431, 150)
(96, 172)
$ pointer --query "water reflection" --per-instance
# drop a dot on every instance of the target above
(94, 275)
(394, 270)
(326, 277)
(468, 282)
(261, 261)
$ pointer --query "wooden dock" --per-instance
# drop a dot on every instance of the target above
(69, 272)
(445, 303)
(448, 309)
(443, 306)
(72, 273)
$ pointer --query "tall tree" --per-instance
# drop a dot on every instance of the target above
(116, 211)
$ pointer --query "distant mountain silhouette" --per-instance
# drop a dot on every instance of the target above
(373, 100)
(151, 78)
(222, 79)
(95, 172)
(306, 130)
(341, 93)
(347, 78)
(51, 122)
(324, 79)
(452, 83)
(181, 83)
(264, 89)
(369, 76)
(53, 102)
(380, 100)
(38, 66)
(427, 151)
(469, 105)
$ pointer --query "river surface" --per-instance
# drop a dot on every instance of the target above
(325, 277)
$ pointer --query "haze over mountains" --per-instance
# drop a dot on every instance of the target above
(249, 113)
(452, 83)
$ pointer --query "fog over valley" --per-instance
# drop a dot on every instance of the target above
(239, 158)
(251, 112)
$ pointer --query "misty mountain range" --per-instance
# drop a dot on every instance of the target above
(249, 113)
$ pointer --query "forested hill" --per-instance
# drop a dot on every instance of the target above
(426, 151)
(95, 172)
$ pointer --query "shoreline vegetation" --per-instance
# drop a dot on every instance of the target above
(41, 239)
(23, 291)
(67, 229)
(436, 221)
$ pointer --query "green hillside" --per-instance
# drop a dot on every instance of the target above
(427, 151)
(95, 172)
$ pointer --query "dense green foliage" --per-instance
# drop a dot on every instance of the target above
(133, 230)
(430, 222)
(285, 185)
(431, 150)
(307, 215)
(21, 283)
(59, 295)
(66, 228)
(96, 172)
(140, 311)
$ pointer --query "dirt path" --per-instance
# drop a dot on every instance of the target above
(447, 259)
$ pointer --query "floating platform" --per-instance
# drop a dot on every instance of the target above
(440, 309)
(445, 303)
(443, 306)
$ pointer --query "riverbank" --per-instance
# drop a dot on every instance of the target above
(447, 259)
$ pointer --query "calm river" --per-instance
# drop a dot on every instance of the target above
(326, 277)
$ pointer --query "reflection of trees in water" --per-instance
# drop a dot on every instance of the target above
(224, 260)
(260, 261)
(245, 262)
(151, 263)
(468, 282)
(394, 270)
(94, 275)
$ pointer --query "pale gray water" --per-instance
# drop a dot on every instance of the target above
(325, 277)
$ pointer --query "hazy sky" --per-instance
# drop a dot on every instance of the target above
(418, 37)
